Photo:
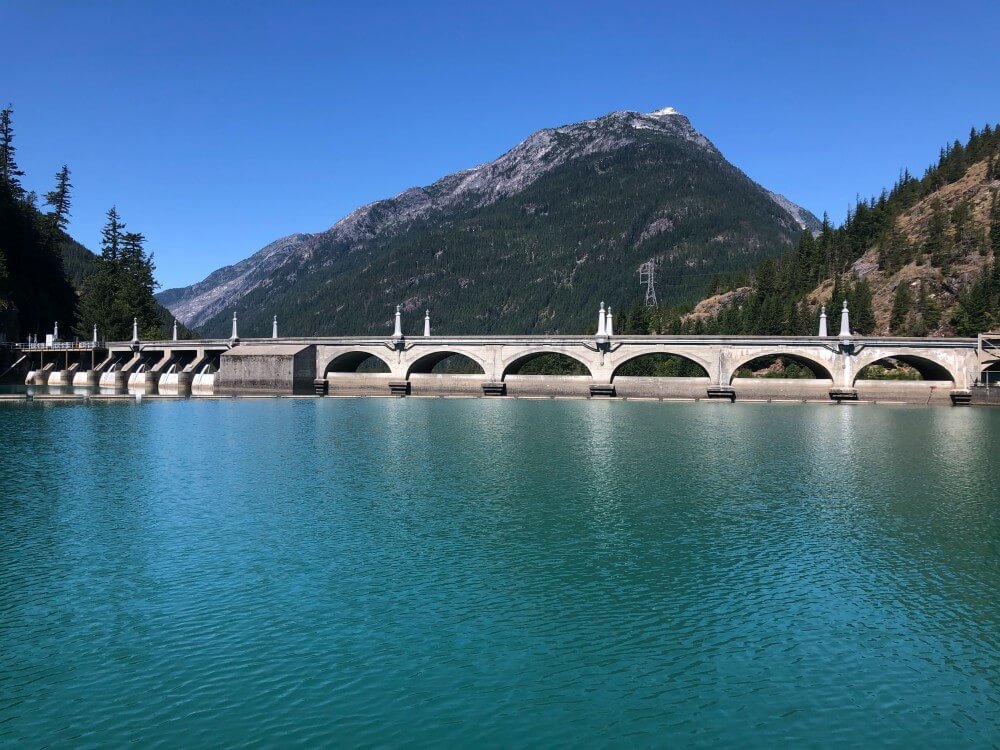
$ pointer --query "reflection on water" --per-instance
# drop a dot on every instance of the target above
(475, 572)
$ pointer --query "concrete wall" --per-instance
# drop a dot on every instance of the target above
(548, 385)
(653, 387)
(281, 367)
(353, 384)
(783, 388)
(429, 384)
(910, 391)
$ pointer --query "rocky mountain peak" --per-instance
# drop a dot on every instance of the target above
(542, 153)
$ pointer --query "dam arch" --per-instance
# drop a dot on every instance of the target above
(819, 369)
(350, 362)
(688, 366)
(514, 365)
(927, 368)
(426, 363)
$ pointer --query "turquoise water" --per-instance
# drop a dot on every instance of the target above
(498, 573)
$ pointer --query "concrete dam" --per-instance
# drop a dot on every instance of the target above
(951, 370)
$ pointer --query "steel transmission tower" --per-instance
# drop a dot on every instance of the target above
(647, 276)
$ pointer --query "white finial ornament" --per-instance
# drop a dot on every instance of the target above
(95, 333)
(427, 322)
(234, 335)
(602, 325)
(609, 324)
(397, 332)
(55, 331)
(822, 321)
(135, 329)
(845, 322)
(175, 329)
(274, 328)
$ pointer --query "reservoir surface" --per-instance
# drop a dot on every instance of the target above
(467, 572)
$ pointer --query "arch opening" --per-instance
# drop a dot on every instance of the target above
(660, 365)
(446, 363)
(990, 374)
(904, 367)
(359, 362)
(787, 366)
(546, 363)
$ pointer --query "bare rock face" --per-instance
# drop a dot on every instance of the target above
(710, 307)
(802, 217)
(484, 185)
(221, 289)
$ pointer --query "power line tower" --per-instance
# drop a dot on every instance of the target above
(647, 276)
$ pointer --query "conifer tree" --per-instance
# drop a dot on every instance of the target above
(901, 303)
(121, 286)
(111, 236)
(860, 305)
(930, 310)
(995, 227)
(938, 240)
(58, 199)
(9, 173)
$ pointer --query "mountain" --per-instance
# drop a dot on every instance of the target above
(920, 259)
(530, 242)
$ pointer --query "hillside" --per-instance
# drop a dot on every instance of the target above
(918, 260)
(930, 282)
(531, 242)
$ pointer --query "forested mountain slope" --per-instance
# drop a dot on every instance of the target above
(531, 242)
(920, 259)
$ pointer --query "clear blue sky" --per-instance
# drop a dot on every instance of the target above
(218, 127)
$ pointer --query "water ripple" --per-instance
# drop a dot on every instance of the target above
(498, 573)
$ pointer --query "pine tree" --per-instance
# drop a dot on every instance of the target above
(137, 284)
(973, 315)
(938, 243)
(930, 310)
(995, 227)
(121, 286)
(111, 236)
(860, 305)
(9, 173)
(59, 200)
(901, 303)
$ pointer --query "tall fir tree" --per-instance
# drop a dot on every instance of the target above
(9, 172)
(938, 244)
(860, 304)
(995, 226)
(901, 303)
(121, 287)
(59, 200)
(111, 236)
